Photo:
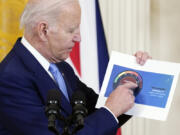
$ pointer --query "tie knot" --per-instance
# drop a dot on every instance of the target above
(52, 68)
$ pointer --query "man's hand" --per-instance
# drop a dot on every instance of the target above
(141, 57)
(121, 99)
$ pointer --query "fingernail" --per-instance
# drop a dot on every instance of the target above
(142, 63)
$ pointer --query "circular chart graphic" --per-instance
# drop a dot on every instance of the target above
(132, 76)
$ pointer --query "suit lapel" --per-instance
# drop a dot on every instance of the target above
(47, 83)
(43, 81)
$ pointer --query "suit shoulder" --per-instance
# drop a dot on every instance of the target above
(8, 62)
(11, 64)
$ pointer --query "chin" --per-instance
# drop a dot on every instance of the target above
(65, 57)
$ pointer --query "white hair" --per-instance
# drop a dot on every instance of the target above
(41, 10)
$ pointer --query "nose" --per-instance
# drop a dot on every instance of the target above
(77, 36)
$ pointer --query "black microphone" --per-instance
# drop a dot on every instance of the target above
(52, 109)
(78, 102)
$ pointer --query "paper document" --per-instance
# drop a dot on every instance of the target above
(156, 79)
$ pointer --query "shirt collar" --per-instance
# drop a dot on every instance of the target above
(41, 59)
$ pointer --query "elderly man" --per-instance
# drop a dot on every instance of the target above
(51, 29)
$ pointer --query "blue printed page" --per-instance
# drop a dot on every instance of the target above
(156, 80)
(155, 89)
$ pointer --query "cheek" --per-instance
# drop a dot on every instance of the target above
(66, 38)
(66, 42)
(61, 41)
(58, 42)
(60, 46)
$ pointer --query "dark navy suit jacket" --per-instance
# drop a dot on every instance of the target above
(23, 91)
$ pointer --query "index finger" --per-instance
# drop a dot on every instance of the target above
(130, 85)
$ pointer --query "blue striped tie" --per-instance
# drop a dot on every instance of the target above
(59, 79)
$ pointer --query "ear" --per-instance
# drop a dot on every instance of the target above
(42, 30)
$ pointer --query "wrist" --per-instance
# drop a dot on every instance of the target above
(113, 111)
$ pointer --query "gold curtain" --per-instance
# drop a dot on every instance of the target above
(10, 12)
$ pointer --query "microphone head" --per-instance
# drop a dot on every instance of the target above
(53, 94)
(52, 109)
(78, 97)
(53, 102)
(79, 111)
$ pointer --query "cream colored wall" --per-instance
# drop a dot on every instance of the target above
(157, 32)
(126, 23)
(165, 45)
(165, 20)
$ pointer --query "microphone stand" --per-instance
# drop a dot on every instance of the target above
(54, 130)
(66, 130)
(68, 123)
(77, 127)
(74, 122)
(52, 125)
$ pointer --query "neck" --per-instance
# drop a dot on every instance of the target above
(41, 47)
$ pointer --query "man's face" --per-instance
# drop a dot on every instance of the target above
(62, 40)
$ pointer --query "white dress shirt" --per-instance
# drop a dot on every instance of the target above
(43, 61)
